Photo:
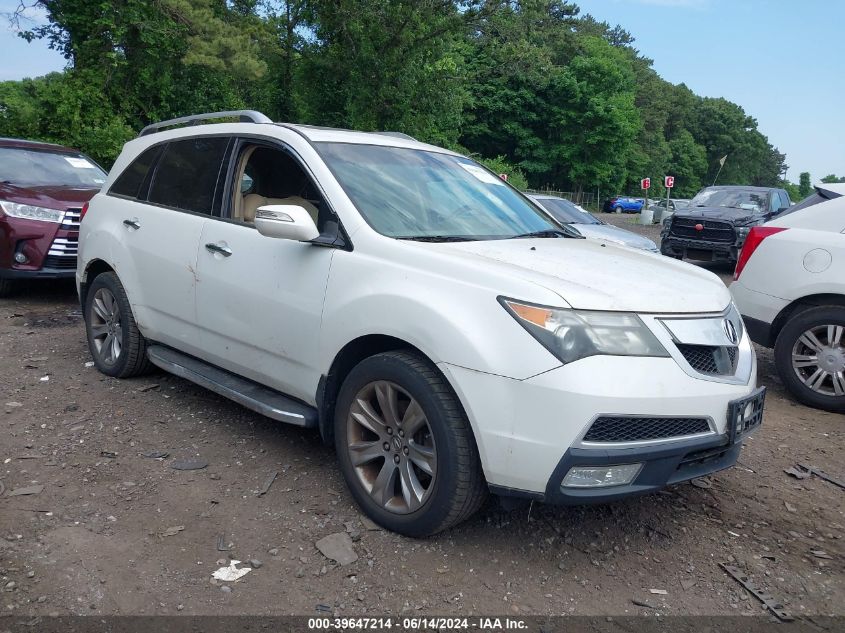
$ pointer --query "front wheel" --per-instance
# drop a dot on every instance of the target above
(810, 357)
(618, 209)
(6, 287)
(117, 346)
(405, 446)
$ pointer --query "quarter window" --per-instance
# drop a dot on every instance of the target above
(130, 181)
(187, 174)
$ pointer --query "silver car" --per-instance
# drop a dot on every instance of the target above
(589, 226)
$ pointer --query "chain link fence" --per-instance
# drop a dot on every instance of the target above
(587, 199)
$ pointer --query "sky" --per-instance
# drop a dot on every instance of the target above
(780, 60)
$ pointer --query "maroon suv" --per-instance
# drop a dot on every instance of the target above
(42, 190)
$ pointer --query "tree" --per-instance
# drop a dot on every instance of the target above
(831, 178)
(804, 186)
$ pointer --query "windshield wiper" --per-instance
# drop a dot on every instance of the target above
(545, 233)
(436, 238)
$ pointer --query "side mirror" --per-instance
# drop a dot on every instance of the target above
(286, 222)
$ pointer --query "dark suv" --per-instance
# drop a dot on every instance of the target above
(42, 190)
(717, 221)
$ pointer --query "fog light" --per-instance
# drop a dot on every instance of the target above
(600, 476)
(21, 258)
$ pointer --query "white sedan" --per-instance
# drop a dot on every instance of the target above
(790, 288)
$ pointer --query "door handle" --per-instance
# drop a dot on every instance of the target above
(134, 223)
(225, 251)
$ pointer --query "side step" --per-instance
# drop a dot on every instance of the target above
(245, 392)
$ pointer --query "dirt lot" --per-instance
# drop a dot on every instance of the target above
(115, 532)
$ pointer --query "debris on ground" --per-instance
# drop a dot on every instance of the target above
(688, 583)
(222, 545)
(797, 473)
(337, 547)
(108, 454)
(823, 475)
(773, 605)
(659, 592)
(28, 490)
(172, 531)
(702, 482)
(189, 465)
(789, 507)
(255, 563)
(266, 487)
(156, 454)
(231, 573)
(146, 388)
(641, 603)
(369, 524)
(820, 553)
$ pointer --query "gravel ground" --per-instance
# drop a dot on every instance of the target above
(116, 532)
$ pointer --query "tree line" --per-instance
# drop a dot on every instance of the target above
(555, 98)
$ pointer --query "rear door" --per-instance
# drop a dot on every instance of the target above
(162, 232)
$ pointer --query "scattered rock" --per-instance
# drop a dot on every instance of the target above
(189, 465)
(820, 553)
(226, 589)
(28, 490)
(369, 524)
(273, 552)
(255, 563)
(156, 454)
(173, 531)
(641, 603)
(789, 507)
(337, 547)
(146, 388)
(687, 583)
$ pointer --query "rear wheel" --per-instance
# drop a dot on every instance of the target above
(405, 447)
(618, 209)
(810, 357)
(6, 287)
(117, 346)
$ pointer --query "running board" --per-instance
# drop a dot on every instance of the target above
(245, 392)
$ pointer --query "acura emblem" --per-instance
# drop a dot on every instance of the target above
(730, 331)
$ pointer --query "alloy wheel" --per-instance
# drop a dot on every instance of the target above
(391, 447)
(818, 359)
(106, 326)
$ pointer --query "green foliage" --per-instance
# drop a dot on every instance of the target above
(502, 166)
(561, 100)
(804, 186)
(832, 178)
(793, 190)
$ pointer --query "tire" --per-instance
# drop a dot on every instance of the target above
(6, 287)
(618, 209)
(453, 491)
(109, 320)
(817, 337)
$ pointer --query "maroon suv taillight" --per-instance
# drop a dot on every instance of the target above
(755, 237)
(83, 212)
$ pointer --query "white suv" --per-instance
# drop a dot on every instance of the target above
(790, 288)
(428, 319)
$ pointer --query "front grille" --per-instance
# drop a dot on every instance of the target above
(64, 246)
(71, 219)
(709, 359)
(632, 429)
(713, 230)
(61, 263)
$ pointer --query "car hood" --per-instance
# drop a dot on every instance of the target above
(739, 217)
(51, 197)
(591, 275)
(608, 233)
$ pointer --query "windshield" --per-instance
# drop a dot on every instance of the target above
(417, 194)
(565, 212)
(747, 199)
(35, 168)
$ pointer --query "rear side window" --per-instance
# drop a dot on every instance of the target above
(187, 174)
(133, 177)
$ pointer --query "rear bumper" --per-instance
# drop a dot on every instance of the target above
(759, 331)
(700, 250)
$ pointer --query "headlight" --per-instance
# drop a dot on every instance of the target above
(31, 212)
(574, 334)
(742, 232)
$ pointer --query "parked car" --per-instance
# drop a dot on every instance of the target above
(661, 213)
(438, 328)
(717, 221)
(790, 288)
(590, 226)
(42, 189)
(623, 204)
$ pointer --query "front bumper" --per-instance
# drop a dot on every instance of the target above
(528, 431)
(699, 250)
(43, 273)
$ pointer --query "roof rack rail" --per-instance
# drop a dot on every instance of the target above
(398, 135)
(244, 116)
